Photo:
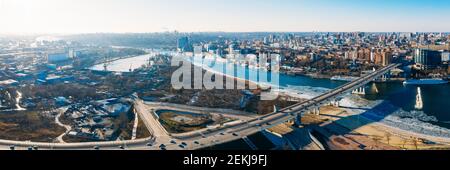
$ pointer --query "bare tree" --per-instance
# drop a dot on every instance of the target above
(416, 143)
(377, 140)
(388, 137)
(404, 141)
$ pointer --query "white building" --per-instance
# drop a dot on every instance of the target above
(445, 56)
(198, 49)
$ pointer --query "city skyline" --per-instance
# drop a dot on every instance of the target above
(139, 16)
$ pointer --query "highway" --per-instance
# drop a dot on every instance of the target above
(161, 139)
(151, 122)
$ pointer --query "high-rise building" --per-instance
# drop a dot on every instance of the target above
(372, 56)
(386, 58)
(183, 44)
(231, 49)
(266, 40)
(445, 56)
(378, 58)
(198, 49)
(427, 59)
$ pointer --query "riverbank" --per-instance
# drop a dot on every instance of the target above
(389, 130)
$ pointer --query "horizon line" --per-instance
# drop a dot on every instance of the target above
(193, 32)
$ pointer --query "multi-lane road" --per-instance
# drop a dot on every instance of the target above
(161, 139)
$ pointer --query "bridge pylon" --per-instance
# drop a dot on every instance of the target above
(375, 88)
(298, 120)
(360, 91)
(334, 103)
(384, 78)
(315, 111)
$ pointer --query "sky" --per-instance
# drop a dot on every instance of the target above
(126, 16)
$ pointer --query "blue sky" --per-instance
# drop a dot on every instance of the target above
(87, 16)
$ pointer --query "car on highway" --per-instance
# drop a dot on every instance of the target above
(149, 144)
(173, 142)
(12, 147)
(196, 142)
(259, 125)
(121, 147)
(162, 146)
(221, 133)
(181, 146)
(184, 143)
(96, 147)
(235, 134)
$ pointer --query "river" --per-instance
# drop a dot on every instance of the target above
(124, 65)
(401, 99)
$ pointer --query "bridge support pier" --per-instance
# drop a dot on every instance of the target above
(298, 120)
(375, 88)
(312, 111)
(360, 91)
(335, 103)
(384, 78)
(315, 111)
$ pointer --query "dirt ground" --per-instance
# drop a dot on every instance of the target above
(371, 134)
(28, 125)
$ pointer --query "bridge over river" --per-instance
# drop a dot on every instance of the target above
(211, 136)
